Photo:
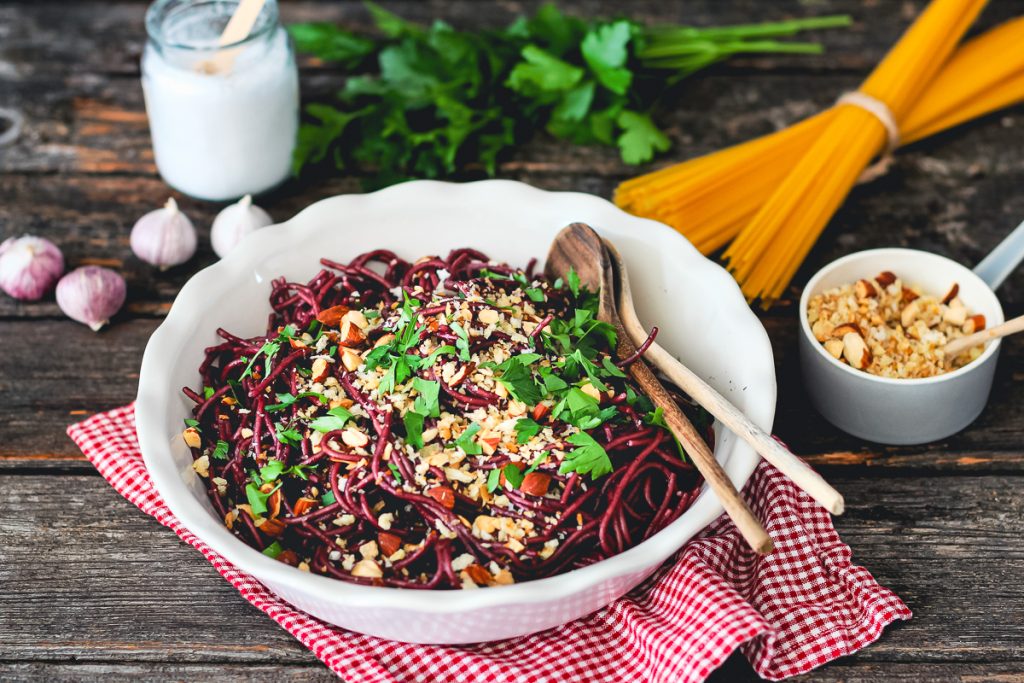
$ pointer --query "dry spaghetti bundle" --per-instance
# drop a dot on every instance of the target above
(774, 195)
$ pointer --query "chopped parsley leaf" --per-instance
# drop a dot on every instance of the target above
(513, 475)
(258, 499)
(427, 403)
(334, 419)
(289, 436)
(494, 479)
(413, 429)
(220, 451)
(273, 550)
(189, 422)
(526, 429)
(394, 472)
(589, 457)
(466, 443)
(462, 343)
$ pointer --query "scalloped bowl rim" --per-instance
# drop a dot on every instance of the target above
(239, 265)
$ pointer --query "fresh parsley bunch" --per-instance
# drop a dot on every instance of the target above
(433, 101)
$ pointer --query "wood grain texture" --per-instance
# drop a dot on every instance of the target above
(94, 590)
(87, 575)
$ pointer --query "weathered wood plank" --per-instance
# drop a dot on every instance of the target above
(91, 37)
(77, 587)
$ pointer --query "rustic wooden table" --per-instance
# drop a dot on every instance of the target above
(92, 588)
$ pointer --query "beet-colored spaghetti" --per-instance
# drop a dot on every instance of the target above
(448, 423)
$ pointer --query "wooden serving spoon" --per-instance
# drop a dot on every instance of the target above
(704, 394)
(580, 248)
(958, 346)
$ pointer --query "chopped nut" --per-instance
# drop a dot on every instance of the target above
(355, 317)
(975, 323)
(350, 359)
(354, 438)
(367, 569)
(202, 466)
(951, 294)
(885, 278)
(865, 289)
(369, 550)
(192, 438)
(319, 370)
(350, 334)
(488, 316)
(856, 351)
(389, 543)
(834, 347)
(331, 317)
(591, 391)
(910, 313)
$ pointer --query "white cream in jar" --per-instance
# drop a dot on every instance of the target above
(219, 133)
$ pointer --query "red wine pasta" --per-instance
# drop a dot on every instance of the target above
(448, 423)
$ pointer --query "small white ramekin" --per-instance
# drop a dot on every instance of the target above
(899, 411)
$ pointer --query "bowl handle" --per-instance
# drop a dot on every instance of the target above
(1002, 260)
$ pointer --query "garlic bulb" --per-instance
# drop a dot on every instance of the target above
(91, 295)
(29, 266)
(164, 237)
(235, 222)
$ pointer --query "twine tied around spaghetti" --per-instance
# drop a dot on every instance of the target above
(880, 110)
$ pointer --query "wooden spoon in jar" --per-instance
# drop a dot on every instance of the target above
(707, 397)
(580, 248)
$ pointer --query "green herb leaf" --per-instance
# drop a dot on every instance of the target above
(427, 403)
(538, 462)
(328, 498)
(395, 472)
(542, 72)
(462, 343)
(330, 43)
(220, 451)
(494, 479)
(466, 442)
(189, 422)
(413, 429)
(257, 499)
(611, 368)
(526, 429)
(208, 392)
(535, 294)
(604, 49)
(573, 280)
(288, 436)
(513, 475)
(273, 550)
(334, 420)
(640, 138)
(589, 457)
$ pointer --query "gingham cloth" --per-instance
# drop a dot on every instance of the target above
(789, 612)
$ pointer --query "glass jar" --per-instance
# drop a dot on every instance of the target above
(223, 118)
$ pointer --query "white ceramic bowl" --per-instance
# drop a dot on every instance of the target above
(899, 411)
(676, 288)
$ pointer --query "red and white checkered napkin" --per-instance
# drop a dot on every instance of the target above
(791, 611)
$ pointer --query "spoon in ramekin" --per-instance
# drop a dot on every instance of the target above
(704, 394)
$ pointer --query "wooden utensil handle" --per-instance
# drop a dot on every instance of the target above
(958, 346)
(697, 449)
(741, 425)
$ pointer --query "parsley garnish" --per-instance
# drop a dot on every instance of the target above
(462, 343)
(189, 422)
(517, 377)
(288, 436)
(413, 429)
(466, 443)
(395, 472)
(494, 479)
(286, 400)
(526, 429)
(274, 469)
(589, 457)
(427, 403)
(258, 499)
(535, 294)
(273, 550)
(328, 498)
(220, 451)
(335, 419)
(538, 462)
(573, 280)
